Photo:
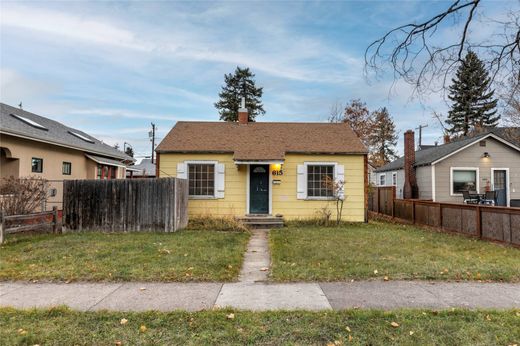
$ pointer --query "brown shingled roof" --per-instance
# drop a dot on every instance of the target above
(261, 140)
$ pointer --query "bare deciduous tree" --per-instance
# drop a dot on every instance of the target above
(424, 55)
(20, 196)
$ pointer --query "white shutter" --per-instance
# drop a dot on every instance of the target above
(181, 170)
(301, 182)
(340, 178)
(221, 180)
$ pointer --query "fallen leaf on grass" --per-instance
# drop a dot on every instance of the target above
(123, 321)
(22, 331)
(394, 324)
(350, 337)
(411, 332)
(375, 271)
(231, 316)
(347, 328)
(386, 278)
(263, 269)
(488, 318)
(118, 343)
(143, 328)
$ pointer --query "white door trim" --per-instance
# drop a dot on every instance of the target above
(508, 190)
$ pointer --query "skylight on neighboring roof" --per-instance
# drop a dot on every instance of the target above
(29, 122)
(80, 136)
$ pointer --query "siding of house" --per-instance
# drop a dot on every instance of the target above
(388, 179)
(424, 181)
(284, 199)
(501, 156)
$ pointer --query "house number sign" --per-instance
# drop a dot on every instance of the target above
(280, 172)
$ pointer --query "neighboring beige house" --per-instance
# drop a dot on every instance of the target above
(488, 161)
(145, 169)
(35, 146)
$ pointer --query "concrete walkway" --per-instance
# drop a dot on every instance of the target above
(257, 258)
(260, 296)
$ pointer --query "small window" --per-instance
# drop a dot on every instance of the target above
(320, 181)
(394, 178)
(482, 143)
(36, 165)
(382, 180)
(66, 168)
(464, 180)
(201, 179)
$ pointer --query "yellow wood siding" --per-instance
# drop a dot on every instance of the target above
(284, 199)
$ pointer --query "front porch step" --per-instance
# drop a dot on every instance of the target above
(262, 221)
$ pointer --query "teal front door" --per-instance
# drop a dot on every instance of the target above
(259, 189)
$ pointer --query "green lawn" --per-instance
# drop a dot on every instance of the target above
(379, 249)
(415, 327)
(94, 256)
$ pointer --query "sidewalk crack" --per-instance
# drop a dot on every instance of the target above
(105, 297)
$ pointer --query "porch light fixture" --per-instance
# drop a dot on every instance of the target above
(277, 167)
(486, 155)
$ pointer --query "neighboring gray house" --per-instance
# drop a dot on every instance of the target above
(145, 169)
(488, 161)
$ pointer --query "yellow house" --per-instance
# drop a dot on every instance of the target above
(267, 168)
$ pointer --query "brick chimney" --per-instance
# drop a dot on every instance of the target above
(243, 115)
(410, 189)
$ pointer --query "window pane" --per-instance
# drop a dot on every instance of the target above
(320, 180)
(36, 165)
(201, 179)
(464, 180)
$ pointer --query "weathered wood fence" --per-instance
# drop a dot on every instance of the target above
(484, 222)
(125, 204)
(44, 221)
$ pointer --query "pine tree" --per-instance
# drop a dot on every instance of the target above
(383, 138)
(237, 85)
(473, 107)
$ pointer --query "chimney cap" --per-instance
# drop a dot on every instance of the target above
(242, 105)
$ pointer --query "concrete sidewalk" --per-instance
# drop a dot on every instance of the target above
(260, 296)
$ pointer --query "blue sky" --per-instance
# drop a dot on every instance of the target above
(111, 68)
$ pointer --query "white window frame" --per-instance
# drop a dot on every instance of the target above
(508, 184)
(394, 178)
(379, 179)
(202, 162)
(452, 169)
(318, 163)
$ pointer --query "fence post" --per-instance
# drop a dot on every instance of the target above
(54, 219)
(478, 222)
(2, 226)
(413, 212)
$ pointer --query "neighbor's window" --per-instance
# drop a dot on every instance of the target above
(201, 179)
(66, 168)
(394, 179)
(382, 180)
(36, 165)
(319, 180)
(464, 180)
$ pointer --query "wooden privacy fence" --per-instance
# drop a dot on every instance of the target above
(125, 204)
(28, 222)
(380, 199)
(485, 222)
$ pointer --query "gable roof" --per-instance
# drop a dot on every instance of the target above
(436, 153)
(145, 168)
(18, 122)
(261, 141)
